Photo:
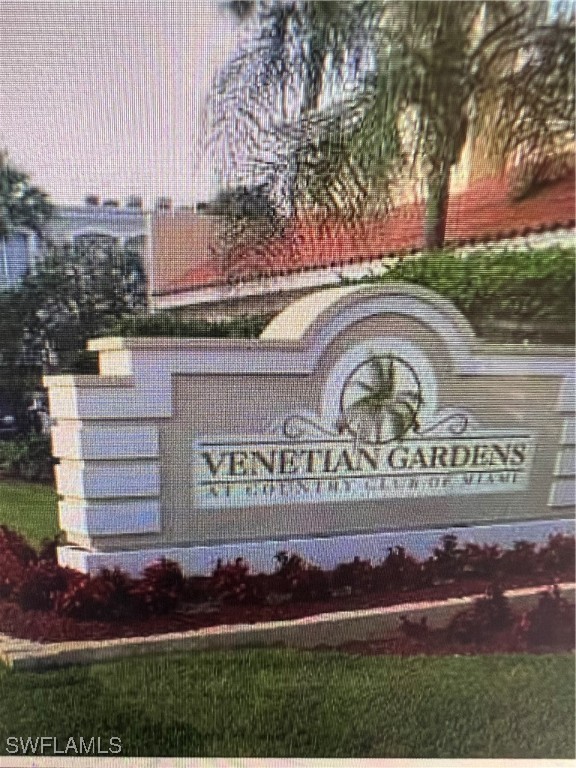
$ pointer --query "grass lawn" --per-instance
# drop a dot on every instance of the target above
(289, 703)
(29, 508)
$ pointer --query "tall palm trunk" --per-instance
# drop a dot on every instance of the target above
(313, 87)
(453, 143)
(436, 214)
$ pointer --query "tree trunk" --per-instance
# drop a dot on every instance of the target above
(313, 88)
(436, 213)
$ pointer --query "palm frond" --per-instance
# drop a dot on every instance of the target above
(385, 376)
(366, 387)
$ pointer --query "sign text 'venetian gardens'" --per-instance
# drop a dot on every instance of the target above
(363, 417)
(253, 473)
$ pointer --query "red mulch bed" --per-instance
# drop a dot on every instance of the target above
(44, 627)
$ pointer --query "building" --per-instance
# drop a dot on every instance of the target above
(187, 270)
(93, 222)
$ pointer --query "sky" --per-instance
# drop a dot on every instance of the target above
(108, 97)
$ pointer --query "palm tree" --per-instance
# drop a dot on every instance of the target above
(21, 204)
(381, 400)
(263, 97)
(529, 111)
(428, 71)
(440, 66)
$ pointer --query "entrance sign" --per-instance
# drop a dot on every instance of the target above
(362, 418)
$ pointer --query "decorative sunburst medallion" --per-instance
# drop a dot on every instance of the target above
(380, 401)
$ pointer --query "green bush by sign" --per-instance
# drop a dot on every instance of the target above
(507, 295)
(528, 287)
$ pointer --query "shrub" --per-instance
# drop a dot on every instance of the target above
(197, 589)
(36, 581)
(525, 286)
(481, 560)
(112, 594)
(28, 458)
(17, 558)
(49, 549)
(103, 597)
(357, 575)
(550, 623)
(168, 323)
(521, 559)
(534, 287)
(161, 587)
(450, 561)
(31, 579)
(304, 581)
(232, 583)
(82, 599)
(415, 629)
(10, 453)
(40, 585)
(445, 563)
(13, 544)
(488, 614)
(398, 571)
(12, 573)
(558, 555)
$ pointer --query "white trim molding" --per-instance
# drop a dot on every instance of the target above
(114, 517)
(108, 479)
(71, 440)
(325, 552)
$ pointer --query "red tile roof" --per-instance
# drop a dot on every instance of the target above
(484, 212)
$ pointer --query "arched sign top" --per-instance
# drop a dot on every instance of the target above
(318, 318)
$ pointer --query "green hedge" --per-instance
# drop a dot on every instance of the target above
(27, 458)
(506, 295)
(169, 323)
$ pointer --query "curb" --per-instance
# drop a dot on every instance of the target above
(326, 629)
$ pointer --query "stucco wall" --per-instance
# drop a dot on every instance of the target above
(130, 439)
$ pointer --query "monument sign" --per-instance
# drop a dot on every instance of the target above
(362, 418)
